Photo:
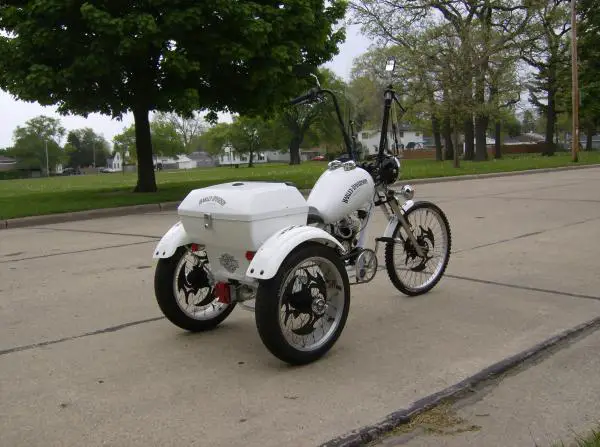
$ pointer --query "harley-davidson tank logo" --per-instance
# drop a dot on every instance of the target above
(353, 188)
(220, 200)
(229, 263)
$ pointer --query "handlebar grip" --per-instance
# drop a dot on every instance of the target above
(311, 95)
(300, 99)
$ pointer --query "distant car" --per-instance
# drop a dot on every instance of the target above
(319, 158)
(71, 171)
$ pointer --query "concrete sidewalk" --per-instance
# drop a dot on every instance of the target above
(540, 404)
(87, 359)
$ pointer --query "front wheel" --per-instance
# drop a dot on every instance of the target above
(302, 310)
(184, 292)
(410, 273)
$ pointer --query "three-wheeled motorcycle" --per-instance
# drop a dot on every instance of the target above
(295, 258)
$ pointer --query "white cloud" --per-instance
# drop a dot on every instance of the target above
(14, 113)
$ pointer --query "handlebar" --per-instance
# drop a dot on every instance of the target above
(390, 96)
(308, 96)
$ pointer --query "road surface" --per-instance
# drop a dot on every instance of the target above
(86, 358)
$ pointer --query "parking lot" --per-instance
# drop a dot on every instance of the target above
(86, 358)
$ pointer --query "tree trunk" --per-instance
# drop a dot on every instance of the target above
(469, 138)
(481, 124)
(591, 130)
(251, 159)
(482, 117)
(456, 158)
(498, 140)
(143, 143)
(550, 146)
(437, 138)
(295, 150)
(447, 133)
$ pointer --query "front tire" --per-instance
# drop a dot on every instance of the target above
(184, 293)
(408, 272)
(310, 288)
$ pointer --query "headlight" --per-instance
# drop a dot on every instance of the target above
(408, 192)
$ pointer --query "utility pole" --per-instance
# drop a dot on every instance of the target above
(94, 152)
(47, 161)
(575, 81)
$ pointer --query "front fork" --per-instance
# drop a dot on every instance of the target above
(397, 211)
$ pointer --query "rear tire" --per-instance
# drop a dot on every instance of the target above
(174, 290)
(279, 295)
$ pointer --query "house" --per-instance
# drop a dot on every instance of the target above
(202, 159)
(408, 137)
(7, 163)
(115, 163)
(275, 156)
(231, 158)
(176, 162)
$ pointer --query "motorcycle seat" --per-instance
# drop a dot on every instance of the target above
(314, 216)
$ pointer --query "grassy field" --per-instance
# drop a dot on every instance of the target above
(31, 197)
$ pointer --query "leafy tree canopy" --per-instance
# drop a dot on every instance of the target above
(86, 148)
(32, 140)
(166, 139)
(179, 55)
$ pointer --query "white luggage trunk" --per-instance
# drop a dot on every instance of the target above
(232, 219)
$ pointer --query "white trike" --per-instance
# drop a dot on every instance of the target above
(296, 257)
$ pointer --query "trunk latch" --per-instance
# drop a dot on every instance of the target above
(207, 220)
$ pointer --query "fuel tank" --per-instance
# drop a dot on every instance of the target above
(340, 191)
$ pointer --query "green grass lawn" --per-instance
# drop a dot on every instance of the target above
(31, 197)
(590, 440)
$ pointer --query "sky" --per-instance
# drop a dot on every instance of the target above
(14, 113)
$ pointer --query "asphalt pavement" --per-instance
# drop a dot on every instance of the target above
(86, 358)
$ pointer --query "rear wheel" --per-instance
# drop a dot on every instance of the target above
(301, 312)
(409, 272)
(184, 292)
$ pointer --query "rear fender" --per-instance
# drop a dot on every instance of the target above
(272, 253)
(173, 239)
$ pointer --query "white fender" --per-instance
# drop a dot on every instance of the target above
(389, 231)
(171, 241)
(272, 253)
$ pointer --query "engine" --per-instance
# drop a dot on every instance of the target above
(346, 230)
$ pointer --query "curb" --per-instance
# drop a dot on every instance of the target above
(377, 431)
(22, 222)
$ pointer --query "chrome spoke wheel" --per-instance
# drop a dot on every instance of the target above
(415, 273)
(311, 303)
(302, 310)
(193, 290)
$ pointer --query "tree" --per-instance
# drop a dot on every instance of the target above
(40, 136)
(216, 138)
(86, 148)
(528, 122)
(366, 97)
(170, 56)
(248, 135)
(124, 143)
(547, 55)
(298, 120)
(189, 128)
(166, 140)
(474, 31)
(589, 75)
